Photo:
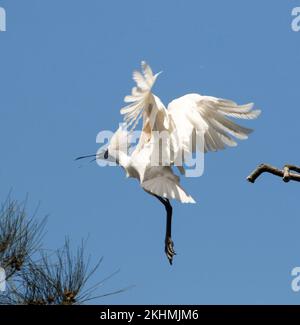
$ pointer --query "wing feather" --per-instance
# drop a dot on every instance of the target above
(141, 97)
(193, 114)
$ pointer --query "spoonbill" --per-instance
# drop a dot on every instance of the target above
(184, 119)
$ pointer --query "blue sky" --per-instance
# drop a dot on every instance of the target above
(64, 70)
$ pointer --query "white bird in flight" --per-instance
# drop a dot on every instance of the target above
(186, 119)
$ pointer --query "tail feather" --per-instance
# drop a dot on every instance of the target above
(166, 188)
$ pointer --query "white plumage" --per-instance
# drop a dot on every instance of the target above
(187, 119)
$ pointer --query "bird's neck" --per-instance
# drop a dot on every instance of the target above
(123, 159)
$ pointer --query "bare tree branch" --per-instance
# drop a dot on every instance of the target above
(284, 173)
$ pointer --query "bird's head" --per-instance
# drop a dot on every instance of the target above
(118, 145)
(117, 149)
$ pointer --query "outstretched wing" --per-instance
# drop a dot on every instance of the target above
(194, 114)
(143, 103)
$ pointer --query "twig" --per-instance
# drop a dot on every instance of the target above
(285, 173)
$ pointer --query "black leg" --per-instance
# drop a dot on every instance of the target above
(169, 245)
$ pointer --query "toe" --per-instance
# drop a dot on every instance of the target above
(169, 250)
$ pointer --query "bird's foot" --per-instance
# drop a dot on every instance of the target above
(169, 249)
